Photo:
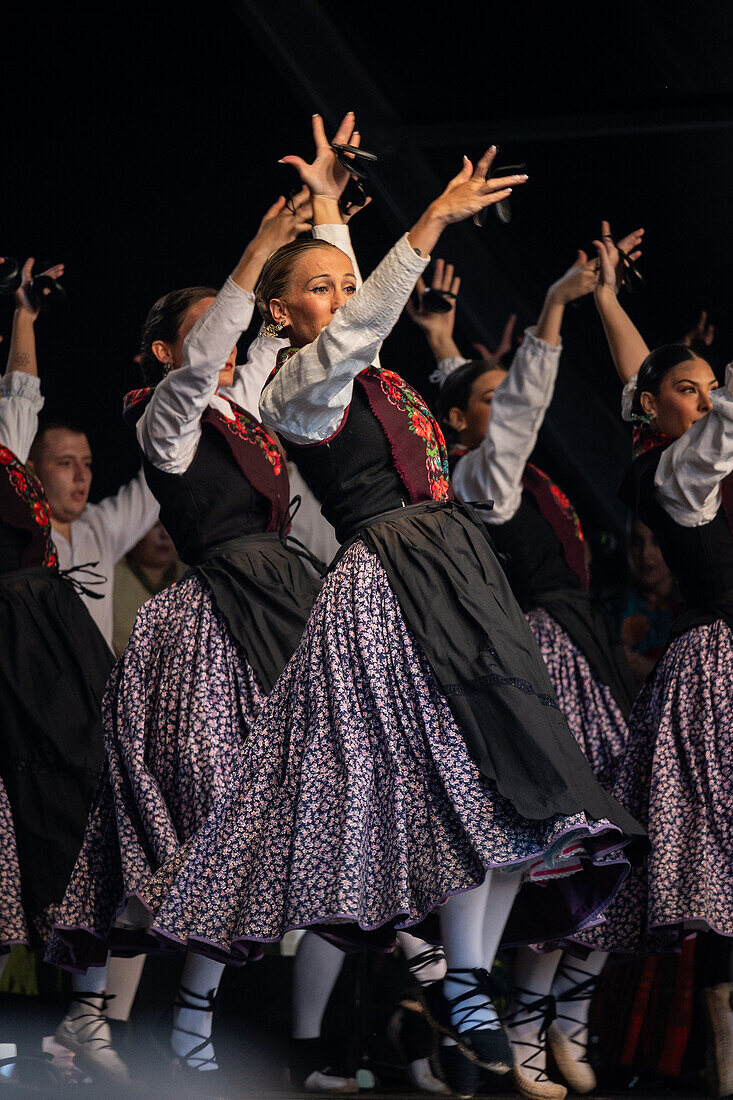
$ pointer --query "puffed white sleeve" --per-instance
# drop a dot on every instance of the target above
(494, 470)
(687, 481)
(20, 403)
(308, 397)
(169, 430)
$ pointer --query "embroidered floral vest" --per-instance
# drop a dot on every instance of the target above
(25, 516)
(209, 503)
(387, 451)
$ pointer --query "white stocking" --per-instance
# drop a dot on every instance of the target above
(428, 972)
(123, 978)
(472, 924)
(316, 968)
(572, 1015)
(191, 1025)
(91, 987)
(533, 978)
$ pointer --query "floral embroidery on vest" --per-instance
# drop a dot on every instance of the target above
(420, 421)
(645, 438)
(30, 490)
(247, 428)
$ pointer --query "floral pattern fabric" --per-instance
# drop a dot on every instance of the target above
(423, 424)
(29, 489)
(178, 708)
(592, 713)
(246, 427)
(356, 803)
(677, 780)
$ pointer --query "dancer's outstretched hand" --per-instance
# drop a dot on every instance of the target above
(325, 177)
(470, 191)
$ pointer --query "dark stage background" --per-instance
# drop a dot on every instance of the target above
(140, 143)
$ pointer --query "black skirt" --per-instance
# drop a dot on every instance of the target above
(457, 602)
(54, 665)
(265, 591)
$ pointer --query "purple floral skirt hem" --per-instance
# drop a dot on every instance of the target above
(357, 809)
(677, 780)
(178, 708)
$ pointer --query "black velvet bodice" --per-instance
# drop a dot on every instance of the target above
(211, 502)
(535, 562)
(353, 474)
(701, 557)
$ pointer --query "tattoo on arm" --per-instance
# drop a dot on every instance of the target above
(21, 359)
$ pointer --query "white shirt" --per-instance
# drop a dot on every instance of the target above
(104, 533)
(20, 404)
(170, 428)
(494, 470)
(307, 399)
(687, 481)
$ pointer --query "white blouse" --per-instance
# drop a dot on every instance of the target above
(170, 428)
(687, 481)
(494, 470)
(20, 403)
(307, 399)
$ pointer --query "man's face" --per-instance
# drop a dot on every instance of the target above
(65, 469)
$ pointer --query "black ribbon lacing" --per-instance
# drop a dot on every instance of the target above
(91, 578)
(542, 1009)
(581, 991)
(296, 545)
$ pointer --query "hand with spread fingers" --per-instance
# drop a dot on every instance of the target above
(609, 259)
(325, 176)
(282, 223)
(285, 221)
(438, 327)
(503, 347)
(25, 299)
(467, 194)
(578, 280)
(702, 333)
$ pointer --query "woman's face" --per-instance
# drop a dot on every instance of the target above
(321, 280)
(471, 423)
(683, 397)
(173, 353)
(648, 566)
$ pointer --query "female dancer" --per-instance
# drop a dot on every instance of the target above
(676, 773)
(359, 807)
(495, 417)
(51, 682)
(203, 654)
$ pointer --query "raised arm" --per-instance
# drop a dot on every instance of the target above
(688, 477)
(625, 342)
(170, 427)
(494, 470)
(20, 391)
(307, 398)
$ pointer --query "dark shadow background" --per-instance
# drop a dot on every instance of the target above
(140, 144)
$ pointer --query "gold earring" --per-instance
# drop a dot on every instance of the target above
(274, 328)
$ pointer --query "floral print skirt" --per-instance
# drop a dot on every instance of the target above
(357, 809)
(592, 713)
(677, 779)
(177, 711)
